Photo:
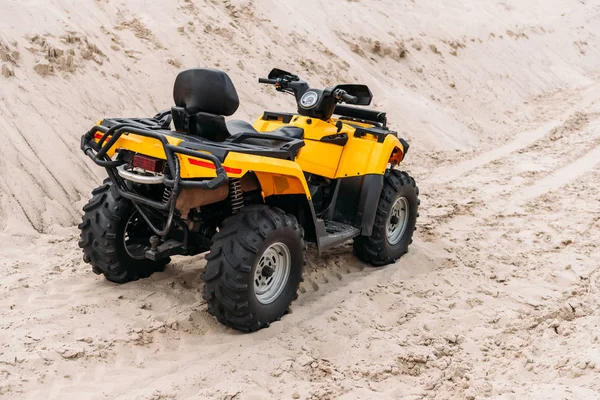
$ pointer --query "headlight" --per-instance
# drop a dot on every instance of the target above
(309, 100)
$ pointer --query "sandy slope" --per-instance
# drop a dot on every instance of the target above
(498, 296)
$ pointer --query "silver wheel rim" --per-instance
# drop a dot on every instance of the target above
(397, 220)
(272, 273)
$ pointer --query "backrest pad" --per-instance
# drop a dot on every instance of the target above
(205, 90)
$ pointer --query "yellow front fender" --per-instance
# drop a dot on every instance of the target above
(365, 155)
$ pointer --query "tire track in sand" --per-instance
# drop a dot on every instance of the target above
(559, 178)
(447, 174)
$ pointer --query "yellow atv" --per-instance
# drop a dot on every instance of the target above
(250, 195)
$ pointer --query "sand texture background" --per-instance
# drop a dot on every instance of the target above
(498, 296)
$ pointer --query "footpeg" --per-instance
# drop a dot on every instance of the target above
(168, 248)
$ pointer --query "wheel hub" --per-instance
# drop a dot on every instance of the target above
(397, 221)
(136, 237)
(267, 272)
(272, 272)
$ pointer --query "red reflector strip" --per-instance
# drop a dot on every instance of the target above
(98, 136)
(210, 165)
(147, 163)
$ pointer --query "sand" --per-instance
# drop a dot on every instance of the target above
(498, 296)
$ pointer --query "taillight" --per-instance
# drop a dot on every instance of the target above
(147, 163)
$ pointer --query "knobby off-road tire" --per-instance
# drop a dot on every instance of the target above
(399, 198)
(106, 217)
(243, 263)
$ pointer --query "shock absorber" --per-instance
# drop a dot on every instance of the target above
(236, 195)
(166, 194)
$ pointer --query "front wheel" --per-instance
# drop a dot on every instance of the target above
(395, 220)
(254, 268)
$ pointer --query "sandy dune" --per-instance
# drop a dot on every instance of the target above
(498, 297)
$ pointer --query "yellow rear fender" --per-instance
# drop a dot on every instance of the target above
(276, 176)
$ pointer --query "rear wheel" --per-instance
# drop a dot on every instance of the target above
(397, 213)
(114, 237)
(254, 268)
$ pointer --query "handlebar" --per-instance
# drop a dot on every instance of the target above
(342, 95)
(293, 85)
(348, 98)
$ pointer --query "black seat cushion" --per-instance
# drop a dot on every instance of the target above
(236, 126)
(290, 131)
(205, 90)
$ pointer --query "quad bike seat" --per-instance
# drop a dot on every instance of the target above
(203, 97)
(236, 126)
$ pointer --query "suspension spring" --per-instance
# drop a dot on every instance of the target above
(236, 195)
(166, 194)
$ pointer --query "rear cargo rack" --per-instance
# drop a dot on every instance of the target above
(112, 129)
(98, 153)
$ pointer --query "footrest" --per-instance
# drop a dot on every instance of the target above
(337, 233)
(169, 248)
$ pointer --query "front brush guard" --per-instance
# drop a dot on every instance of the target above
(98, 153)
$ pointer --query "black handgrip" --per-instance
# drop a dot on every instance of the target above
(220, 180)
(348, 98)
(210, 184)
(269, 81)
(342, 95)
(90, 151)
